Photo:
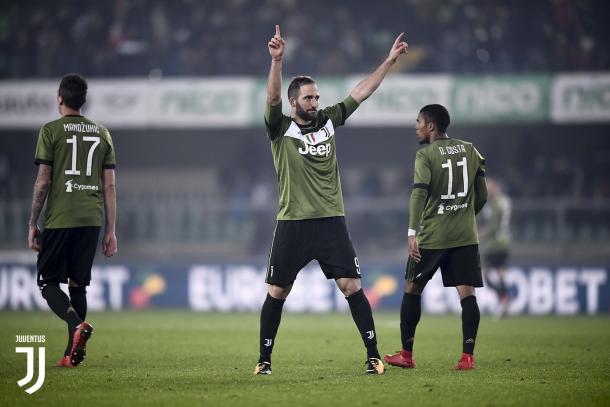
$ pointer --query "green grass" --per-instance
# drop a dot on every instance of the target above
(178, 358)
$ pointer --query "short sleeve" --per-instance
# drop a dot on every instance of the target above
(44, 147)
(422, 171)
(273, 120)
(109, 158)
(481, 160)
(339, 113)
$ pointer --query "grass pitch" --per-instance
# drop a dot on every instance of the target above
(179, 358)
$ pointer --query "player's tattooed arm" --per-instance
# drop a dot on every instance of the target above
(368, 85)
(109, 242)
(41, 189)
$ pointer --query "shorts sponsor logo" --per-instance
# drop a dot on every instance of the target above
(29, 351)
(71, 186)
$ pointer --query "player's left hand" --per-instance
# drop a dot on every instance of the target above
(109, 244)
(33, 234)
(399, 47)
(414, 249)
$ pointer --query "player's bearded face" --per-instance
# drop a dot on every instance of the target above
(306, 112)
(306, 105)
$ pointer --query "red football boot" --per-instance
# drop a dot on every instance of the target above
(64, 362)
(466, 362)
(402, 358)
(81, 335)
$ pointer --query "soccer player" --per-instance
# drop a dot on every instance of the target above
(448, 191)
(310, 221)
(496, 235)
(76, 161)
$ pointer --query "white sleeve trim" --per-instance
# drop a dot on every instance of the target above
(412, 232)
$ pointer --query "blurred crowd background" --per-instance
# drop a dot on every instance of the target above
(125, 38)
(212, 193)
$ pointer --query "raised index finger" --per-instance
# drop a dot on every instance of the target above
(399, 38)
(277, 30)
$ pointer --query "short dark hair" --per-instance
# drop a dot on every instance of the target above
(73, 90)
(438, 115)
(296, 83)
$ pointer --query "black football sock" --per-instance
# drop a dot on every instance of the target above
(470, 322)
(78, 299)
(410, 313)
(60, 304)
(271, 315)
(363, 317)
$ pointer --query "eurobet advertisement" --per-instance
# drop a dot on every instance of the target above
(240, 287)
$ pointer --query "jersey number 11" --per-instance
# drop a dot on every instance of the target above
(462, 163)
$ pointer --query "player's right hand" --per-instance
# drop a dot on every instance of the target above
(414, 249)
(109, 244)
(276, 45)
(33, 234)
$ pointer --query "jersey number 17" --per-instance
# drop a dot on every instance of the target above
(72, 140)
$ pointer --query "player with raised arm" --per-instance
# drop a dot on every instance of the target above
(76, 161)
(448, 191)
(310, 221)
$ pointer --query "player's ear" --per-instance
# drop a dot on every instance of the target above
(431, 126)
(293, 102)
(60, 100)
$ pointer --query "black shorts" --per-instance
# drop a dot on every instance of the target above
(67, 253)
(496, 259)
(459, 266)
(297, 242)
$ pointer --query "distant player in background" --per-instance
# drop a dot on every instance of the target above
(496, 237)
(311, 218)
(448, 191)
(76, 161)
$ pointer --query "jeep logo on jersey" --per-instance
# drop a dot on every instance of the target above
(451, 208)
(314, 143)
(321, 149)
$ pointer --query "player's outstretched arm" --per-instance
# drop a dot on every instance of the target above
(276, 48)
(109, 243)
(41, 189)
(368, 85)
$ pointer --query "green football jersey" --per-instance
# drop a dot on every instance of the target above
(306, 162)
(79, 150)
(447, 168)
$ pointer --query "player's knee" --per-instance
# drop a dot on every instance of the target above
(349, 286)
(279, 293)
(412, 288)
(465, 291)
(44, 289)
(73, 283)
